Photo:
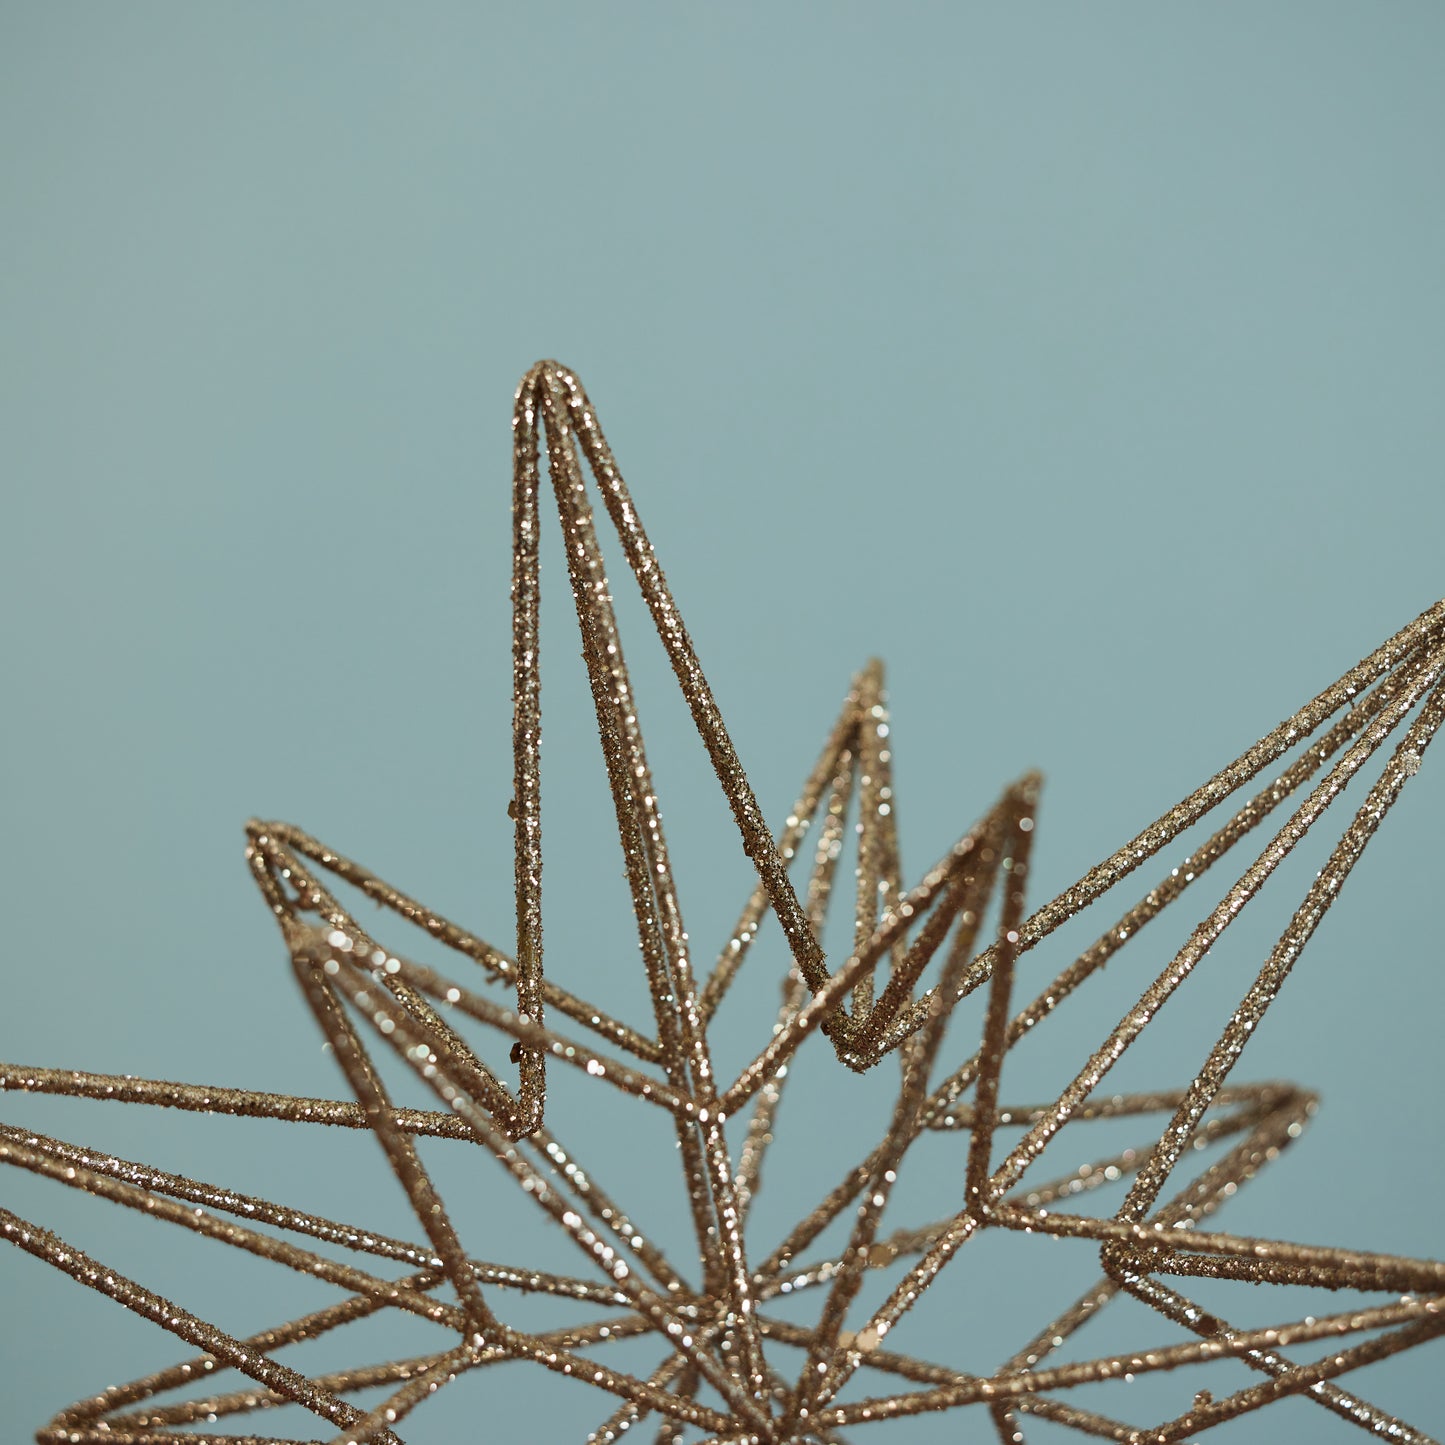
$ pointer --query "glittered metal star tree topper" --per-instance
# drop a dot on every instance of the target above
(929, 964)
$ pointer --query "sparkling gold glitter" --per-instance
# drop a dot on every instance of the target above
(729, 1367)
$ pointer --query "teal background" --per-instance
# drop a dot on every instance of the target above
(1085, 362)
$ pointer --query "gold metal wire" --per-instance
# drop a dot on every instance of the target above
(729, 1367)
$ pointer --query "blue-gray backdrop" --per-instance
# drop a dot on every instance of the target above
(1085, 362)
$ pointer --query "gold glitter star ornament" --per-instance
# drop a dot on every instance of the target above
(725, 1355)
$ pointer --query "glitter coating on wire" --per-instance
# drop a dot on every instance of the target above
(729, 1367)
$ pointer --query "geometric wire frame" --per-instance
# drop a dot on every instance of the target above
(726, 1364)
